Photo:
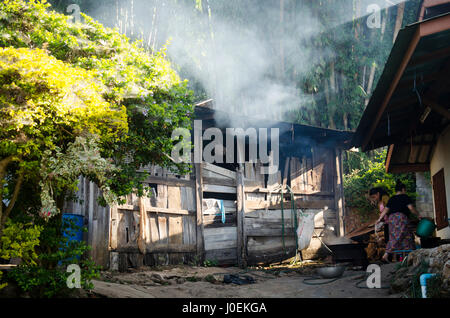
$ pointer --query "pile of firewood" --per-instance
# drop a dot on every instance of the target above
(376, 247)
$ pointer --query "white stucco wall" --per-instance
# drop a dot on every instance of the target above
(441, 159)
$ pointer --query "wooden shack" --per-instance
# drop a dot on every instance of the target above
(228, 214)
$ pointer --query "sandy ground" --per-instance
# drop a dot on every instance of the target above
(207, 282)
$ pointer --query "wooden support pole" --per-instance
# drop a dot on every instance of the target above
(198, 142)
(240, 210)
(339, 193)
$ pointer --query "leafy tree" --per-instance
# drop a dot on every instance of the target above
(79, 98)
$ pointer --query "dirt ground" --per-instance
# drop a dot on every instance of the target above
(207, 282)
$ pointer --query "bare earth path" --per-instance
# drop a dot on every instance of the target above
(207, 282)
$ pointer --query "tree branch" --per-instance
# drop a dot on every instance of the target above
(13, 199)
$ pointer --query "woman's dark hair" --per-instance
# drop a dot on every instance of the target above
(399, 186)
(379, 190)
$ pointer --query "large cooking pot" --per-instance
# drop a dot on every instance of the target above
(353, 253)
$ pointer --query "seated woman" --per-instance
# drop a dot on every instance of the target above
(398, 209)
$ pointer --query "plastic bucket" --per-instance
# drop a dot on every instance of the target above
(425, 228)
(73, 234)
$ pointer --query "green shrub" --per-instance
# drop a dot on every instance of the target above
(19, 241)
(367, 173)
(48, 278)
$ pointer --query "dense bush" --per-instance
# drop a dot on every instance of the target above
(47, 277)
(19, 241)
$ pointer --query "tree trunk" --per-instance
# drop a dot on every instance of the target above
(370, 84)
(3, 165)
(399, 19)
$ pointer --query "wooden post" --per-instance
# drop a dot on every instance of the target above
(240, 211)
(198, 156)
(339, 193)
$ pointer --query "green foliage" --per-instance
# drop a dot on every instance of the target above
(88, 81)
(19, 241)
(367, 172)
(48, 278)
(210, 263)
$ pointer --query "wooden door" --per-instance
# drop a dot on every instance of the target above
(440, 200)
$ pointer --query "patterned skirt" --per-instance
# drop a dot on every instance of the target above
(400, 236)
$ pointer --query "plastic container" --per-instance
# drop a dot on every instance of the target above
(425, 228)
(74, 234)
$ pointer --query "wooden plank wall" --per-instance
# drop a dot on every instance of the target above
(96, 219)
(220, 238)
(312, 181)
(168, 235)
(176, 229)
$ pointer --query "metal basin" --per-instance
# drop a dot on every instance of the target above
(331, 271)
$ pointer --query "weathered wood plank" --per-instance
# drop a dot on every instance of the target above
(218, 188)
(162, 225)
(219, 182)
(170, 181)
(161, 248)
(114, 227)
(219, 170)
(168, 211)
(175, 236)
(296, 192)
(174, 197)
(154, 231)
(226, 256)
(219, 245)
(198, 140)
(123, 262)
(240, 210)
(301, 204)
(213, 221)
(161, 199)
(188, 198)
(268, 232)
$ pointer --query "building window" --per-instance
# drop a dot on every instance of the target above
(440, 200)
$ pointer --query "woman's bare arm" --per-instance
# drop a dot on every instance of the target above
(385, 211)
(413, 210)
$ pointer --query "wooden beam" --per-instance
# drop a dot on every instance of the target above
(160, 248)
(168, 211)
(428, 4)
(299, 203)
(339, 193)
(240, 211)
(269, 232)
(443, 53)
(220, 182)
(219, 170)
(411, 167)
(437, 107)
(218, 188)
(199, 197)
(389, 157)
(296, 192)
(170, 181)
